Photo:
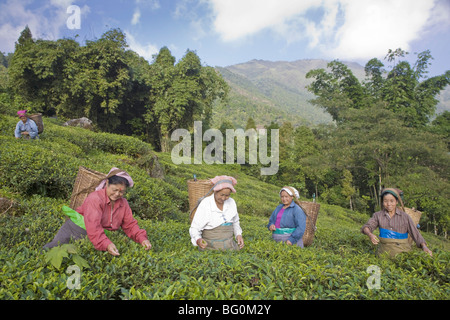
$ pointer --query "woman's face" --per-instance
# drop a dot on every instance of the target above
(286, 199)
(115, 191)
(23, 118)
(222, 195)
(389, 202)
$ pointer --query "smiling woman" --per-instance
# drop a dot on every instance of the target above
(394, 225)
(104, 209)
(217, 219)
(288, 220)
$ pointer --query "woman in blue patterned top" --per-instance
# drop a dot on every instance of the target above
(288, 220)
(26, 127)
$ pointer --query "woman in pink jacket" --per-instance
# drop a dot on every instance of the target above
(104, 209)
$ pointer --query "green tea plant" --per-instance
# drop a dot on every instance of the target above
(56, 255)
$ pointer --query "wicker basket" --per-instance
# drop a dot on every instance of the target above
(86, 182)
(37, 118)
(415, 216)
(197, 190)
(311, 210)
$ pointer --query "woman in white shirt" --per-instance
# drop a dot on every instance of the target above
(216, 219)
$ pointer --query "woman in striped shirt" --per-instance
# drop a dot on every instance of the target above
(395, 225)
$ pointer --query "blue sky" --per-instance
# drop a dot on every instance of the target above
(226, 32)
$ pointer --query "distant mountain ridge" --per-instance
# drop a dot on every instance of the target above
(275, 91)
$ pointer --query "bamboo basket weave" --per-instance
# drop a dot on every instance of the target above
(197, 190)
(415, 216)
(37, 118)
(311, 210)
(86, 182)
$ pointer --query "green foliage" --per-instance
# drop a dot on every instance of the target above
(333, 267)
(341, 165)
(181, 93)
(115, 88)
(382, 138)
(56, 255)
(402, 90)
(28, 168)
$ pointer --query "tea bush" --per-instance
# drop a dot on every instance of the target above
(48, 166)
(39, 176)
(29, 168)
(89, 140)
(174, 269)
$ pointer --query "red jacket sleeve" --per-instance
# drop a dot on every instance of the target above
(92, 219)
(130, 226)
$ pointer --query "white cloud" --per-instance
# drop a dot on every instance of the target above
(349, 29)
(45, 21)
(136, 16)
(372, 27)
(146, 51)
(236, 19)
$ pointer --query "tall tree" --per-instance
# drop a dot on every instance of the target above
(181, 93)
(337, 90)
(100, 79)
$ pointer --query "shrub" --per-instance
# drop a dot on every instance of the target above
(29, 168)
(89, 140)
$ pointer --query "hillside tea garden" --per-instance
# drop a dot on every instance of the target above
(340, 264)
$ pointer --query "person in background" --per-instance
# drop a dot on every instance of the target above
(25, 128)
(104, 209)
(288, 221)
(217, 219)
(394, 225)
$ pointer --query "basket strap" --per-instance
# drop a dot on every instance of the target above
(200, 200)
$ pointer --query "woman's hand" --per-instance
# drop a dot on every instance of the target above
(146, 244)
(113, 250)
(272, 227)
(240, 241)
(373, 238)
(425, 248)
(202, 243)
(288, 243)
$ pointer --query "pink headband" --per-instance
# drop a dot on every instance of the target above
(122, 174)
(21, 112)
(223, 182)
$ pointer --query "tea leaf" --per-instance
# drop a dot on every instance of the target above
(79, 261)
(55, 256)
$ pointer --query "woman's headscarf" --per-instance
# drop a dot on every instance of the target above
(115, 172)
(224, 182)
(22, 113)
(291, 191)
(397, 193)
